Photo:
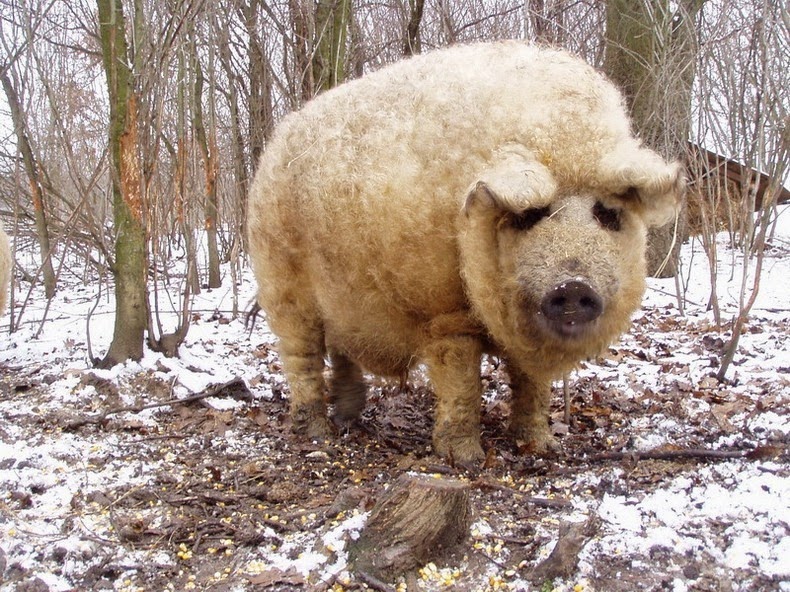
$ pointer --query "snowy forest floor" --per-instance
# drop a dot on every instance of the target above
(107, 484)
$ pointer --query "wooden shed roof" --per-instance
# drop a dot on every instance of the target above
(711, 164)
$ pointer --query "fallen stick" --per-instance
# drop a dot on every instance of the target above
(760, 452)
(542, 502)
(211, 391)
(373, 582)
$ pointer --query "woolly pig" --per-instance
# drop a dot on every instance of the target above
(5, 269)
(482, 198)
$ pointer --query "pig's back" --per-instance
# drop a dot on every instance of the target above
(357, 195)
(403, 143)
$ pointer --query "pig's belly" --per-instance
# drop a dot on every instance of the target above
(374, 332)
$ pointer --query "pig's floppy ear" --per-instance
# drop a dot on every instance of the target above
(514, 183)
(646, 182)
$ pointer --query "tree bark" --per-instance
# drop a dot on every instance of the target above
(6, 273)
(182, 213)
(564, 558)
(546, 20)
(412, 44)
(260, 124)
(332, 18)
(130, 243)
(650, 53)
(159, 341)
(36, 186)
(209, 152)
(261, 112)
(418, 519)
(303, 90)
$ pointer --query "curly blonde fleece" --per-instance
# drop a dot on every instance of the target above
(378, 230)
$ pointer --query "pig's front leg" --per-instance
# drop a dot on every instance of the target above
(529, 413)
(454, 370)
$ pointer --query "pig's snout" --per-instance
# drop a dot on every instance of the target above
(570, 306)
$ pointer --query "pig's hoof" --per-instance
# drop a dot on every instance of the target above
(548, 446)
(349, 400)
(320, 429)
(315, 426)
(534, 441)
(463, 450)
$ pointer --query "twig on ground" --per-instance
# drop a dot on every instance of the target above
(212, 391)
(373, 582)
(542, 502)
(488, 557)
(760, 452)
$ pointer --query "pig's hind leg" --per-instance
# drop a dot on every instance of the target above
(302, 353)
(347, 388)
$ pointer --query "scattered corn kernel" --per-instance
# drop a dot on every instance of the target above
(183, 552)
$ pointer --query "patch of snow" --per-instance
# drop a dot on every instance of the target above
(733, 522)
(621, 512)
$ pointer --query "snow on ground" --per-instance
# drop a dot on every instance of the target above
(709, 525)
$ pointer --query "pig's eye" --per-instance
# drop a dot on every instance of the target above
(607, 217)
(630, 194)
(528, 218)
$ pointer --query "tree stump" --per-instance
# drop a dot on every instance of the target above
(416, 521)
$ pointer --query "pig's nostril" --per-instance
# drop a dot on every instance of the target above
(588, 302)
(570, 306)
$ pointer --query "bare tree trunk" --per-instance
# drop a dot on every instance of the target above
(168, 343)
(36, 186)
(770, 148)
(650, 54)
(130, 243)
(412, 43)
(183, 219)
(261, 116)
(261, 123)
(303, 48)
(332, 19)
(546, 18)
(209, 151)
(448, 32)
(6, 273)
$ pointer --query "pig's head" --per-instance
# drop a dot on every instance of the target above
(554, 265)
